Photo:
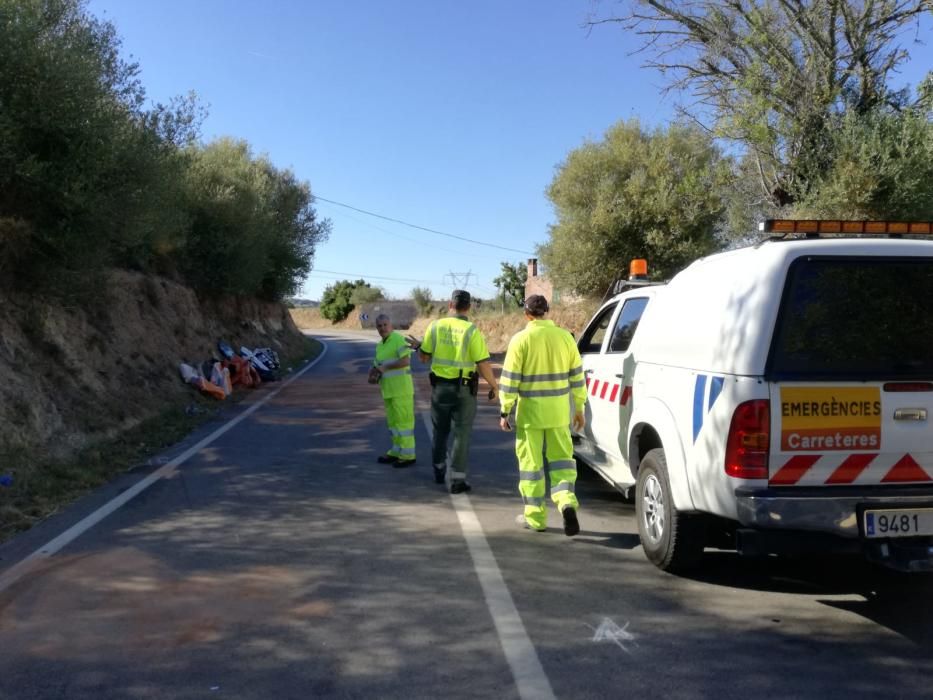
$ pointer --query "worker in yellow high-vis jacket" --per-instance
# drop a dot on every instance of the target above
(391, 369)
(542, 370)
(458, 356)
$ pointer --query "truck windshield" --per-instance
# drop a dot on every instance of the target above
(856, 319)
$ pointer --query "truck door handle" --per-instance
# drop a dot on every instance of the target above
(587, 371)
(918, 414)
(621, 376)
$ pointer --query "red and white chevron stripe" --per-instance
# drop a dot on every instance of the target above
(834, 469)
(608, 391)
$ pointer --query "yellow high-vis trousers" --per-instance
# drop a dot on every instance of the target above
(400, 417)
(531, 447)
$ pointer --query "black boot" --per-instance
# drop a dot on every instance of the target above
(571, 524)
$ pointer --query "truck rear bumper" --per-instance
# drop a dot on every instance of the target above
(812, 520)
(819, 510)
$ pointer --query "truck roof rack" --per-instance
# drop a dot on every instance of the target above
(624, 284)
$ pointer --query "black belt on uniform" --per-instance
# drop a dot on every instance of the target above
(452, 380)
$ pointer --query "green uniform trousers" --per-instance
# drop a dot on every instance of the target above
(531, 446)
(400, 417)
(454, 407)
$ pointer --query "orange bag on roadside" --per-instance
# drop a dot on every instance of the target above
(242, 373)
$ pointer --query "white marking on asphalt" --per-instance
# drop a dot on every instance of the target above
(530, 679)
(609, 631)
(20, 569)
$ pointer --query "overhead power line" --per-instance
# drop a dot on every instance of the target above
(421, 228)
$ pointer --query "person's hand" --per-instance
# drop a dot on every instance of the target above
(579, 422)
(493, 393)
(505, 425)
(413, 342)
(374, 375)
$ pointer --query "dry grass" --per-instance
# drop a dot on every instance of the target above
(496, 326)
(309, 319)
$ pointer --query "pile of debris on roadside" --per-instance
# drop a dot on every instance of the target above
(217, 377)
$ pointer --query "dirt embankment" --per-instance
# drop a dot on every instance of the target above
(497, 327)
(73, 377)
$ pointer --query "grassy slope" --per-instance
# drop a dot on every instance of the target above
(41, 490)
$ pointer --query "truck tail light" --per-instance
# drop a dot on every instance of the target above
(749, 440)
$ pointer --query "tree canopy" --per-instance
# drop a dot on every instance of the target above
(511, 283)
(90, 177)
(338, 299)
(778, 76)
(421, 296)
(637, 193)
(253, 229)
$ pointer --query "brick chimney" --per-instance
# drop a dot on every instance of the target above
(532, 267)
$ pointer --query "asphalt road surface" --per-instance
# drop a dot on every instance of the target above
(277, 559)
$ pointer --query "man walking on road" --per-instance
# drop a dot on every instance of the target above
(542, 367)
(458, 355)
(391, 370)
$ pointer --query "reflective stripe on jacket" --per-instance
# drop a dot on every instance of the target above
(542, 370)
(394, 382)
(455, 346)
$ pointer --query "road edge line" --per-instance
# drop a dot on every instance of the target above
(27, 564)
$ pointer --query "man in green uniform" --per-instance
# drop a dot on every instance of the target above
(542, 369)
(457, 352)
(392, 372)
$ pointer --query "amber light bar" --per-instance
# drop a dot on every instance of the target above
(856, 227)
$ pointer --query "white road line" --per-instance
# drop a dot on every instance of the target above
(530, 679)
(23, 567)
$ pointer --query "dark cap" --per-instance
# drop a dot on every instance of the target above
(536, 305)
(460, 298)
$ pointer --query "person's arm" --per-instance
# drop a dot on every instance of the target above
(509, 379)
(577, 388)
(415, 345)
(425, 347)
(485, 371)
(399, 363)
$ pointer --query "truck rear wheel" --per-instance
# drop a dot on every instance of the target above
(673, 541)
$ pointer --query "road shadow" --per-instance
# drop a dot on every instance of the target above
(898, 601)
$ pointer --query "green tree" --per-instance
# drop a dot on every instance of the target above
(651, 194)
(84, 181)
(366, 295)
(511, 283)
(253, 230)
(881, 166)
(774, 75)
(421, 296)
(336, 302)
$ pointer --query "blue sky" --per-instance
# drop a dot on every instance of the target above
(448, 115)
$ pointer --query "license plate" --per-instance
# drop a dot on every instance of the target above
(898, 523)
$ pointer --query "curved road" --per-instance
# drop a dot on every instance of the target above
(279, 560)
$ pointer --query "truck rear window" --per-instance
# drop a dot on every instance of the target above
(855, 318)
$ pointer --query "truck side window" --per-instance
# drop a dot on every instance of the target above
(593, 336)
(626, 324)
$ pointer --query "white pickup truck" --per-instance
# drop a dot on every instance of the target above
(773, 399)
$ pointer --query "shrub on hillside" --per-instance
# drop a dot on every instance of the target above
(421, 297)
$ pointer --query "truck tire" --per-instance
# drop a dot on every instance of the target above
(673, 541)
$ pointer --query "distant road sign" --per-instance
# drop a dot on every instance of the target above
(364, 317)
